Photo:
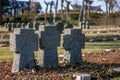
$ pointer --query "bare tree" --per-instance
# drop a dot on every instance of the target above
(81, 14)
(88, 5)
(67, 9)
(1, 11)
(55, 14)
(47, 4)
(109, 6)
(29, 8)
(14, 7)
(62, 1)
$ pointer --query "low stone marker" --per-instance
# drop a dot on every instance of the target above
(83, 77)
(23, 42)
(73, 41)
(49, 39)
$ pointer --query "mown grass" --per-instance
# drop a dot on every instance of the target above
(118, 78)
(101, 34)
(6, 54)
(101, 46)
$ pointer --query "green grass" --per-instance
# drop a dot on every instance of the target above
(96, 46)
(5, 54)
(118, 78)
(100, 34)
(101, 46)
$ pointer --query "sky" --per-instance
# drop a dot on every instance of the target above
(95, 3)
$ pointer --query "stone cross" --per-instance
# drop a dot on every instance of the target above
(49, 39)
(73, 41)
(23, 42)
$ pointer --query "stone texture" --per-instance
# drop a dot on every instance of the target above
(73, 41)
(49, 40)
(23, 42)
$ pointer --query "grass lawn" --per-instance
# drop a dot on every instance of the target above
(118, 78)
(6, 54)
(101, 46)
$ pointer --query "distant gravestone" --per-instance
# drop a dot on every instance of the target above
(6, 25)
(60, 26)
(18, 25)
(87, 25)
(68, 25)
(23, 42)
(49, 40)
(10, 28)
(73, 41)
(37, 26)
(23, 25)
(83, 77)
(13, 26)
(80, 25)
(30, 25)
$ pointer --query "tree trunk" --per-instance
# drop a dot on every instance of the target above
(1, 12)
(62, 14)
(46, 12)
(80, 19)
(67, 11)
(107, 10)
(55, 14)
(88, 10)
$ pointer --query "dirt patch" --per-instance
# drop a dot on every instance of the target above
(96, 64)
(106, 57)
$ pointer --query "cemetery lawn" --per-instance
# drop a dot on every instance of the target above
(5, 54)
(90, 47)
(100, 46)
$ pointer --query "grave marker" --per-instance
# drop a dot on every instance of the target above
(23, 42)
(49, 40)
(73, 42)
(30, 25)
